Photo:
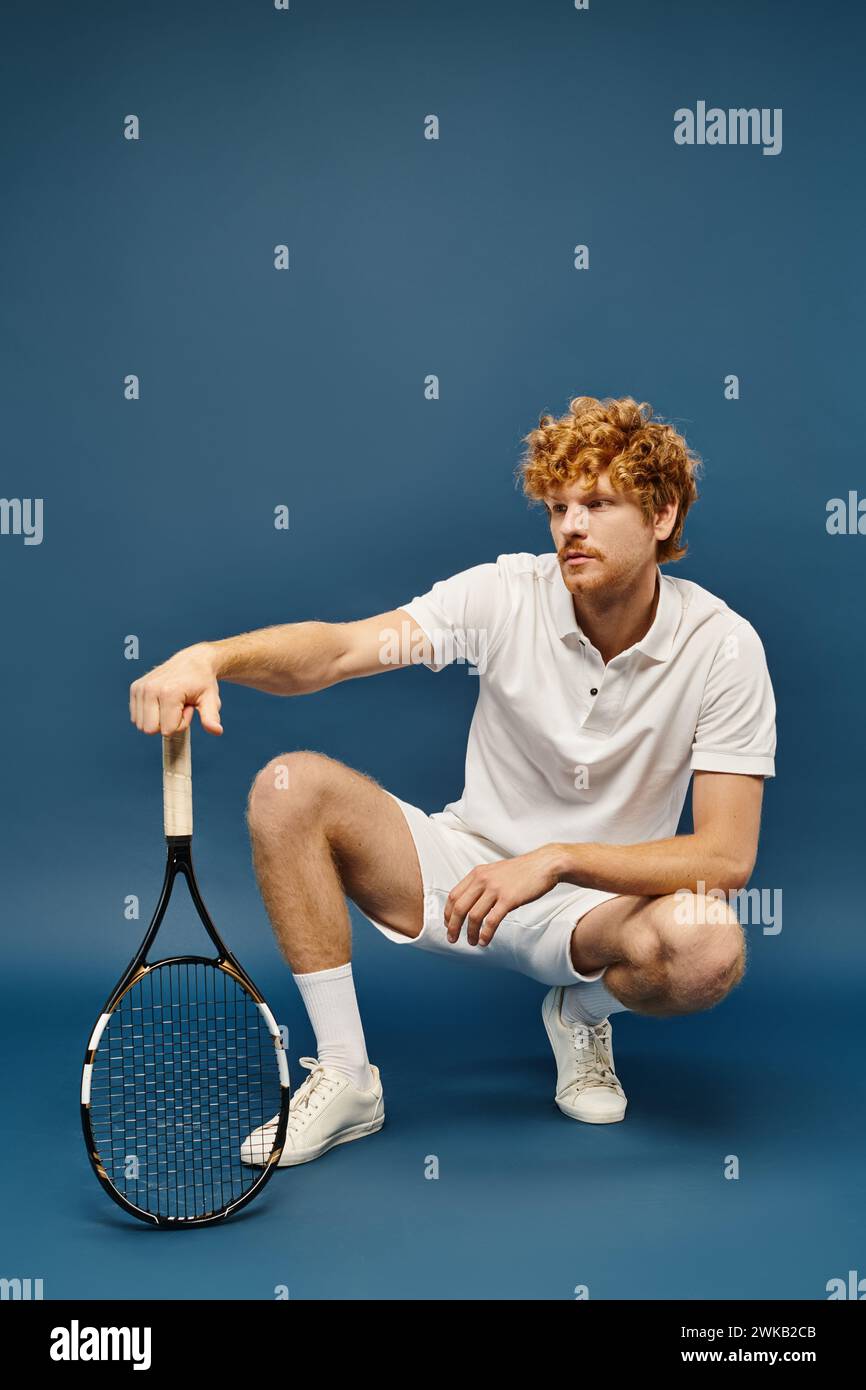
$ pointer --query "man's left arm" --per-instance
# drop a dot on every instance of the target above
(732, 752)
(720, 853)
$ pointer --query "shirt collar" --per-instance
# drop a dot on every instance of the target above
(656, 643)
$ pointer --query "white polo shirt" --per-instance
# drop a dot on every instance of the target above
(564, 748)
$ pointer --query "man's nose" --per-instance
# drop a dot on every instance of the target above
(576, 520)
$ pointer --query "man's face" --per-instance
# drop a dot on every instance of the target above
(603, 541)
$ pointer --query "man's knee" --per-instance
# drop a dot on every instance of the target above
(291, 786)
(699, 948)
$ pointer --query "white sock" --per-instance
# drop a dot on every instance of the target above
(329, 998)
(589, 1003)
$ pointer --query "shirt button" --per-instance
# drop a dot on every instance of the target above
(594, 690)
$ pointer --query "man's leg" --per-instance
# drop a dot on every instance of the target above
(321, 832)
(663, 956)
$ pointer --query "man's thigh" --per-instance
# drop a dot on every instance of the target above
(370, 842)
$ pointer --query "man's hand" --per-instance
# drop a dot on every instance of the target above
(491, 891)
(164, 700)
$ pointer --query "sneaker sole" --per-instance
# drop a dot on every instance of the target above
(346, 1137)
(591, 1119)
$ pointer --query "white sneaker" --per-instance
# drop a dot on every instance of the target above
(325, 1111)
(587, 1088)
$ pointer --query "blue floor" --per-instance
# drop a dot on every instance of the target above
(528, 1204)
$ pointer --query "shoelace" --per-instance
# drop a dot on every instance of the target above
(592, 1067)
(309, 1096)
(300, 1108)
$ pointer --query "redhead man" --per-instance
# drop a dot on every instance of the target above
(605, 688)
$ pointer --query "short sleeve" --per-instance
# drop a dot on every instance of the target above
(465, 617)
(736, 730)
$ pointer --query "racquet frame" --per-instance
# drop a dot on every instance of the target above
(177, 816)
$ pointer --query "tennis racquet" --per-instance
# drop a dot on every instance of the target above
(184, 1061)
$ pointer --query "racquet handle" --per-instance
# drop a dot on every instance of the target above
(177, 784)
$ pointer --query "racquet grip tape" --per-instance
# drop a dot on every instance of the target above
(177, 783)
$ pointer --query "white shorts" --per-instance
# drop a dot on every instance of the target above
(534, 939)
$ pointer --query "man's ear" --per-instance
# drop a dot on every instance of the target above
(665, 521)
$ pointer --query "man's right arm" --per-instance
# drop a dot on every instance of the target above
(292, 659)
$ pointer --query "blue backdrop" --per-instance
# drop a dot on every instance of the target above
(305, 387)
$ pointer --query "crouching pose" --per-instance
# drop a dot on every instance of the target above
(605, 686)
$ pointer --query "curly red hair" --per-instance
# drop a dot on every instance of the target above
(643, 456)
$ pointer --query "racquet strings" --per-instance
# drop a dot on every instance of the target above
(185, 1070)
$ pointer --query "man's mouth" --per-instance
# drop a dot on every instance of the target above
(577, 557)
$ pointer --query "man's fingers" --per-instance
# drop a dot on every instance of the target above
(476, 917)
(457, 892)
(492, 921)
(171, 705)
(165, 699)
(474, 912)
(209, 711)
(136, 702)
(460, 904)
(463, 895)
(149, 712)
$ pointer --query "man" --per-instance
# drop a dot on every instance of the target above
(603, 686)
